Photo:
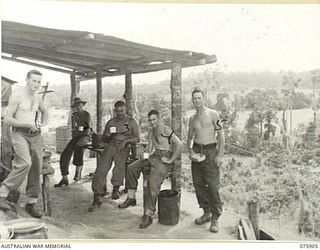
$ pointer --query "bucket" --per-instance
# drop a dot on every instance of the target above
(169, 207)
(63, 136)
(97, 141)
(27, 228)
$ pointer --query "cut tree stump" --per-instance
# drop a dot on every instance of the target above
(253, 208)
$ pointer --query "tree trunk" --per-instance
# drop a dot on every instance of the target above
(128, 93)
(176, 119)
(254, 218)
(75, 89)
(99, 102)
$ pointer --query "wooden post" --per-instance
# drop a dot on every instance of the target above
(46, 171)
(99, 102)
(128, 93)
(176, 119)
(75, 88)
(46, 195)
(128, 96)
(254, 217)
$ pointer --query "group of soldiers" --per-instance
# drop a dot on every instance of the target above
(205, 145)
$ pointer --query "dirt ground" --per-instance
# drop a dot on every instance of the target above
(71, 220)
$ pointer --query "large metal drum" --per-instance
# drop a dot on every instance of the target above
(63, 136)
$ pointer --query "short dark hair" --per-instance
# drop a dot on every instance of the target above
(33, 72)
(153, 112)
(197, 90)
(119, 104)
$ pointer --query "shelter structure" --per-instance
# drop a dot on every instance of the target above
(86, 55)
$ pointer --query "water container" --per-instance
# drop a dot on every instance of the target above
(63, 136)
(169, 207)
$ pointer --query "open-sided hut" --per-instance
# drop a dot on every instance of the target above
(85, 55)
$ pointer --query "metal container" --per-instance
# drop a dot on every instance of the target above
(63, 136)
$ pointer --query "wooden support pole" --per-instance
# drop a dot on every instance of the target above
(46, 195)
(176, 119)
(75, 89)
(99, 102)
(128, 96)
(253, 208)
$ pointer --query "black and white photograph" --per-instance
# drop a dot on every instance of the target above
(159, 121)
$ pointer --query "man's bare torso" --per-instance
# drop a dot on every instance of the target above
(204, 126)
(27, 107)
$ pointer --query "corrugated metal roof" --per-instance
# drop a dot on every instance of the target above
(86, 52)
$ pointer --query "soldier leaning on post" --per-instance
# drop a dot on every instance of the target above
(164, 147)
(22, 115)
(81, 119)
(119, 132)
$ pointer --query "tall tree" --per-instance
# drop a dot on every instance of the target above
(315, 78)
(290, 83)
(264, 105)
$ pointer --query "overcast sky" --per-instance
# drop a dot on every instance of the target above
(243, 37)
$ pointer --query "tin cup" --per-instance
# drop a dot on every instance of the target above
(145, 155)
(113, 130)
(80, 128)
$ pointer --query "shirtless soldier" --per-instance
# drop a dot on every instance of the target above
(164, 147)
(21, 114)
(208, 139)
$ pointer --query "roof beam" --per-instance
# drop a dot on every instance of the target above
(38, 65)
(75, 66)
(143, 68)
